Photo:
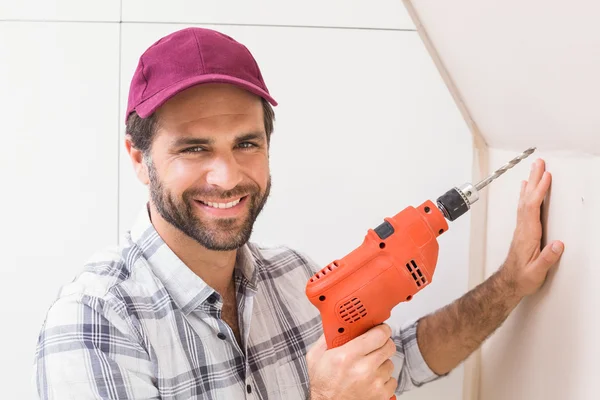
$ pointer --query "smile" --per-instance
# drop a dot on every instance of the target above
(222, 205)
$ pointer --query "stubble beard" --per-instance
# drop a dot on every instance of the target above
(223, 234)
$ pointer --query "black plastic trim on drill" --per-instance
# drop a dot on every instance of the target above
(453, 204)
(384, 230)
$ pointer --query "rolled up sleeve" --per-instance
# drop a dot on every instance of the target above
(410, 368)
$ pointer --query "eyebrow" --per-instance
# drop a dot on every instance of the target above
(191, 141)
(250, 136)
(195, 141)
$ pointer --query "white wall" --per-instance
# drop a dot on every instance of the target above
(526, 72)
(58, 167)
(548, 349)
(365, 127)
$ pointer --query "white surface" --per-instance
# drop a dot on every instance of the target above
(356, 139)
(58, 167)
(330, 13)
(527, 70)
(528, 74)
(61, 10)
(548, 349)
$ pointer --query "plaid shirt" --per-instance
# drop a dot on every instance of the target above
(138, 324)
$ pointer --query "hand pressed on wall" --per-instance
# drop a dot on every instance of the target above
(527, 265)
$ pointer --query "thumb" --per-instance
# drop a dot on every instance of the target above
(550, 255)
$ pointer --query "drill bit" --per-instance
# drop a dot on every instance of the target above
(504, 168)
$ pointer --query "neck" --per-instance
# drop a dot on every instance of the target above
(213, 267)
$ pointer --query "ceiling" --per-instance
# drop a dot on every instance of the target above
(526, 71)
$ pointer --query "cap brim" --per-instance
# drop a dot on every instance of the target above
(152, 103)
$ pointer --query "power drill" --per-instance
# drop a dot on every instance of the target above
(396, 260)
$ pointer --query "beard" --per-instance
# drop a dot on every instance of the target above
(223, 234)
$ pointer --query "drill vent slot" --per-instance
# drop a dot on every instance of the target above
(353, 310)
(324, 271)
(416, 273)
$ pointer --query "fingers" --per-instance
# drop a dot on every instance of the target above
(386, 369)
(378, 357)
(540, 192)
(535, 175)
(391, 385)
(384, 373)
(371, 340)
(523, 187)
(534, 190)
(549, 255)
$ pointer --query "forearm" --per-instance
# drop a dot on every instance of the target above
(448, 336)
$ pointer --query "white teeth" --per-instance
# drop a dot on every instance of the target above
(222, 205)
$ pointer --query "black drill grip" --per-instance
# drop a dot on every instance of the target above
(452, 204)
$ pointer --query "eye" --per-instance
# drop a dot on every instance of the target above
(247, 145)
(196, 149)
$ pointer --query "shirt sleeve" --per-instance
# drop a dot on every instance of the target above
(86, 351)
(410, 369)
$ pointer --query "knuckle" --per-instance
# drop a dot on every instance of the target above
(387, 369)
(532, 204)
(387, 330)
(339, 359)
(361, 370)
(393, 385)
(389, 365)
(548, 257)
(383, 333)
(377, 340)
(378, 384)
(377, 332)
(391, 347)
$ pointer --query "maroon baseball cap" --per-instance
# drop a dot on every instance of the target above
(189, 57)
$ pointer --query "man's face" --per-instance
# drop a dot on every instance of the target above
(209, 168)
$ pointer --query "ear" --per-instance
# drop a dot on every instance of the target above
(137, 159)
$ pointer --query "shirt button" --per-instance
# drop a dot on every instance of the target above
(212, 299)
(249, 388)
(221, 336)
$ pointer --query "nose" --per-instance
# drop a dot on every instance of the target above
(224, 172)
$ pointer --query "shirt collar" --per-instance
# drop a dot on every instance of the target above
(187, 289)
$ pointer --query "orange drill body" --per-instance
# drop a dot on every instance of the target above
(395, 261)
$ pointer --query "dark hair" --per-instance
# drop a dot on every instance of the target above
(142, 130)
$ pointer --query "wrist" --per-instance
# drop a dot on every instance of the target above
(508, 283)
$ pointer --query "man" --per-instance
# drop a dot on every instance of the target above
(188, 308)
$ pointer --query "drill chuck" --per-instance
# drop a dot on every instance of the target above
(457, 201)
